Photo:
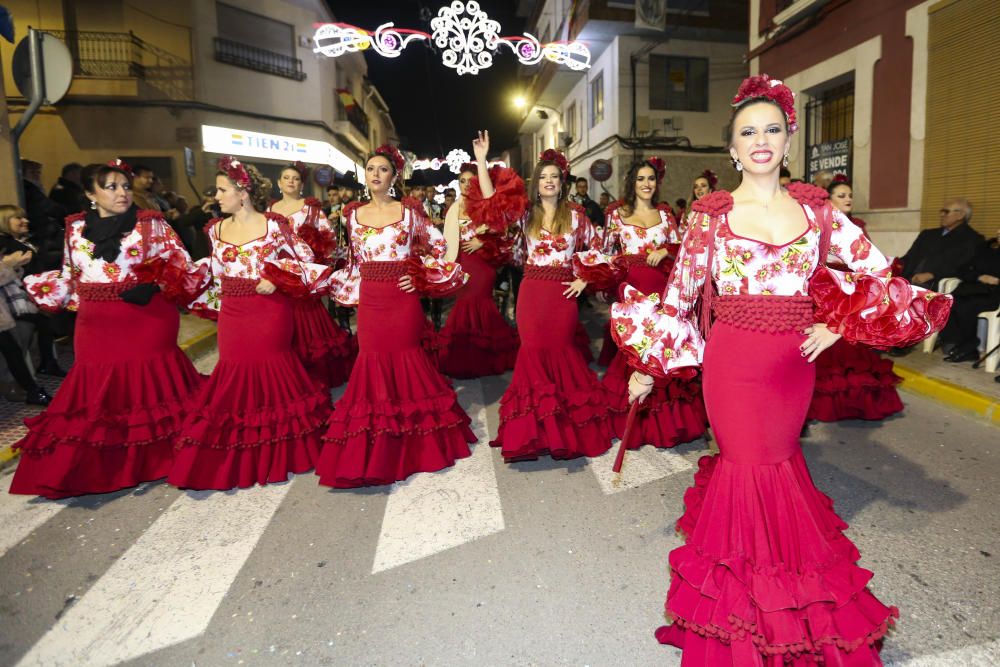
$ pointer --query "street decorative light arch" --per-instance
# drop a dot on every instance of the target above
(466, 36)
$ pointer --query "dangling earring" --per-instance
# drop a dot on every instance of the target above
(367, 196)
(93, 204)
(738, 165)
(784, 161)
(392, 190)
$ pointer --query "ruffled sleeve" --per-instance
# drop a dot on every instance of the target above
(868, 304)
(55, 290)
(317, 232)
(170, 267)
(507, 204)
(292, 267)
(660, 334)
(208, 304)
(427, 268)
(346, 282)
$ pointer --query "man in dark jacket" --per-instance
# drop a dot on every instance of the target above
(592, 208)
(978, 292)
(943, 252)
(45, 217)
(68, 191)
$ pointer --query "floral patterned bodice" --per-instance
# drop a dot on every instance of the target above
(56, 290)
(412, 235)
(279, 256)
(622, 238)
(661, 333)
(549, 249)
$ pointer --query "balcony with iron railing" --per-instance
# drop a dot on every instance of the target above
(257, 59)
(103, 59)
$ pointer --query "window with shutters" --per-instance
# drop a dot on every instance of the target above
(961, 152)
(678, 84)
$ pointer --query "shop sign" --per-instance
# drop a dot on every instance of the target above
(246, 143)
(833, 156)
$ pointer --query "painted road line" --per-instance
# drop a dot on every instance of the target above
(431, 512)
(167, 586)
(642, 466)
(21, 515)
(983, 655)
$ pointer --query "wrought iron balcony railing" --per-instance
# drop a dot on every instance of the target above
(257, 59)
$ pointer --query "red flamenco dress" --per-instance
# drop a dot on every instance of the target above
(259, 417)
(326, 350)
(399, 415)
(115, 419)
(555, 404)
(674, 412)
(476, 340)
(853, 381)
(767, 577)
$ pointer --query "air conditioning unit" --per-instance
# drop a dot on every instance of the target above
(642, 124)
(565, 139)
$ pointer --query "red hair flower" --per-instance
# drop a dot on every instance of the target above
(841, 178)
(711, 177)
(300, 167)
(392, 153)
(235, 171)
(763, 86)
(552, 155)
(659, 166)
(119, 163)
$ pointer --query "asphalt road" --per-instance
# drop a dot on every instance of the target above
(542, 563)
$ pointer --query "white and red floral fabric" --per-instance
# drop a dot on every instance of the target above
(163, 260)
(311, 225)
(661, 333)
(555, 250)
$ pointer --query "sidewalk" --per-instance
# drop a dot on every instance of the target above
(196, 338)
(957, 386)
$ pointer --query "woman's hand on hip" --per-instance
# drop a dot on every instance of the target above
(575, 288)
(818, 338)
(265, 286)
(406, 285)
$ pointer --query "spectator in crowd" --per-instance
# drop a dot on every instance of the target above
(17, 254)
(784, 177)
(449, 199)
(160, 197)
(142, 185)
(332, 205)
(45, 217)
(946, 251)
(68, 191)
(590, 207)
(821, 179)
(604, 200)
(978, 292)
(190, 225)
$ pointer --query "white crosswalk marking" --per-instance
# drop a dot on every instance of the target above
(642, 466)
(431, 512)
(20, 515)
(166, 587)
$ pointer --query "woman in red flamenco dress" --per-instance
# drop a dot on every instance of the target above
(641, 239)
(554, 404)
(259, 417)
(852, 381)
(476, 340)
(115, 419)
(399, 415)
(767, 577)
(325, 349)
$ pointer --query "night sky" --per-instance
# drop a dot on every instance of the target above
(435, 109)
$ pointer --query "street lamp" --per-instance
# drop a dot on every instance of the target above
(520, 102)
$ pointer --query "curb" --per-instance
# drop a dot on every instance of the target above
(193, 347)
(950, 394)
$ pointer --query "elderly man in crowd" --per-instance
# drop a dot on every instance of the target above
(945, 251)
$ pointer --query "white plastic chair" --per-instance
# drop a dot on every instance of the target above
(992, 338)
(945, 286)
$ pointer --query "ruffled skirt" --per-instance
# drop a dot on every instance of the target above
(554, 404)
(767, 577)
(674, 411)
(854, 382)
(115, 419)
(476, 340)
(399, 415)
(326, 351)
(260, 416)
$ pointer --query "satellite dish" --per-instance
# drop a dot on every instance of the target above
(57, 68)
